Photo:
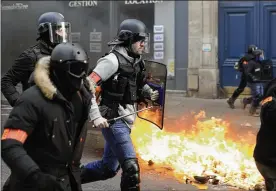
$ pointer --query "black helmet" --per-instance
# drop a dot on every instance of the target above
(251, 48)
(257, 52)
(130, 31)
(71, 58)
(53, 25)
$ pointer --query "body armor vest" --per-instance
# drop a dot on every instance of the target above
(257, 72)
(125, 86)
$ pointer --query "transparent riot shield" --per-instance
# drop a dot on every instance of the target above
(156, 75)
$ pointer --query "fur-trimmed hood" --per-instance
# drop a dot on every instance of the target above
(41, 77)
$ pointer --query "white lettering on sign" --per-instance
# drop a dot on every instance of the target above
(158, 37)
(75, 36)
(158, 46)
(83, 3)
(95, 47)
(137, 2)
(95, 36)
(16, 6)
(158, 28)
(206, 47)
(158, 55)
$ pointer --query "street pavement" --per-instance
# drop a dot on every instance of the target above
(176, 107)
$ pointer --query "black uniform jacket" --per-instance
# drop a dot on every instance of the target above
(21, 70)
(265, 150)
(253, 71)
(55, 139)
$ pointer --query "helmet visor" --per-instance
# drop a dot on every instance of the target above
(60, 32)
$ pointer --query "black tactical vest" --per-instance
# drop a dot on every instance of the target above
(125, 86)
(257, 72)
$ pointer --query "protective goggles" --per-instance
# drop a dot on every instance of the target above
(76, 68)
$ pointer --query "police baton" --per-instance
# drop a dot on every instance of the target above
(120, 117)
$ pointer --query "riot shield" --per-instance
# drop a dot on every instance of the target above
(267, 70)
(156, 76)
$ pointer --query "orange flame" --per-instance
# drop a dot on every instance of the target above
(201, 148)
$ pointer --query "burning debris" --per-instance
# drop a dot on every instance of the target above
(206, 152)
(206, 179)
(150, 163)
(198, 181)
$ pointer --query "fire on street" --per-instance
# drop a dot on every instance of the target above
(207, 148)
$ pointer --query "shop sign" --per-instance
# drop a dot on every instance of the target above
(83, 3)
(15, 6)
(138, 2)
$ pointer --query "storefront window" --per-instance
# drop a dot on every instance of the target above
(159, 17)
(94, 24)
(90, 26)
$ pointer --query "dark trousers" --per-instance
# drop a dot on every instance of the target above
(269, 174)
(241, 87)
(118, 148)
(257, 91)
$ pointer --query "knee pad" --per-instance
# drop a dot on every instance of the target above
(131, 175)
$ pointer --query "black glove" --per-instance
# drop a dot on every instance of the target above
(46, 182)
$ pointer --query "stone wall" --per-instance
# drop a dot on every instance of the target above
(203, 73)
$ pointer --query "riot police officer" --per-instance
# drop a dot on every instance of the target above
(253, 72)
(240, 67)
(121, 74)
(265, 150)
(52, 30)
(44, 135)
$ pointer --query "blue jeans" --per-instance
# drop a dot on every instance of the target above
(118, 148)
(257, 91)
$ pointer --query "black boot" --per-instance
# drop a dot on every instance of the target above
(231, 102)
(245, 102)
(253, 111)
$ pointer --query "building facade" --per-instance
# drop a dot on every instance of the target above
(199, 41)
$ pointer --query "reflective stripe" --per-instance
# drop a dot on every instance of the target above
(95, 77)
(15, 134)
(268, 99)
